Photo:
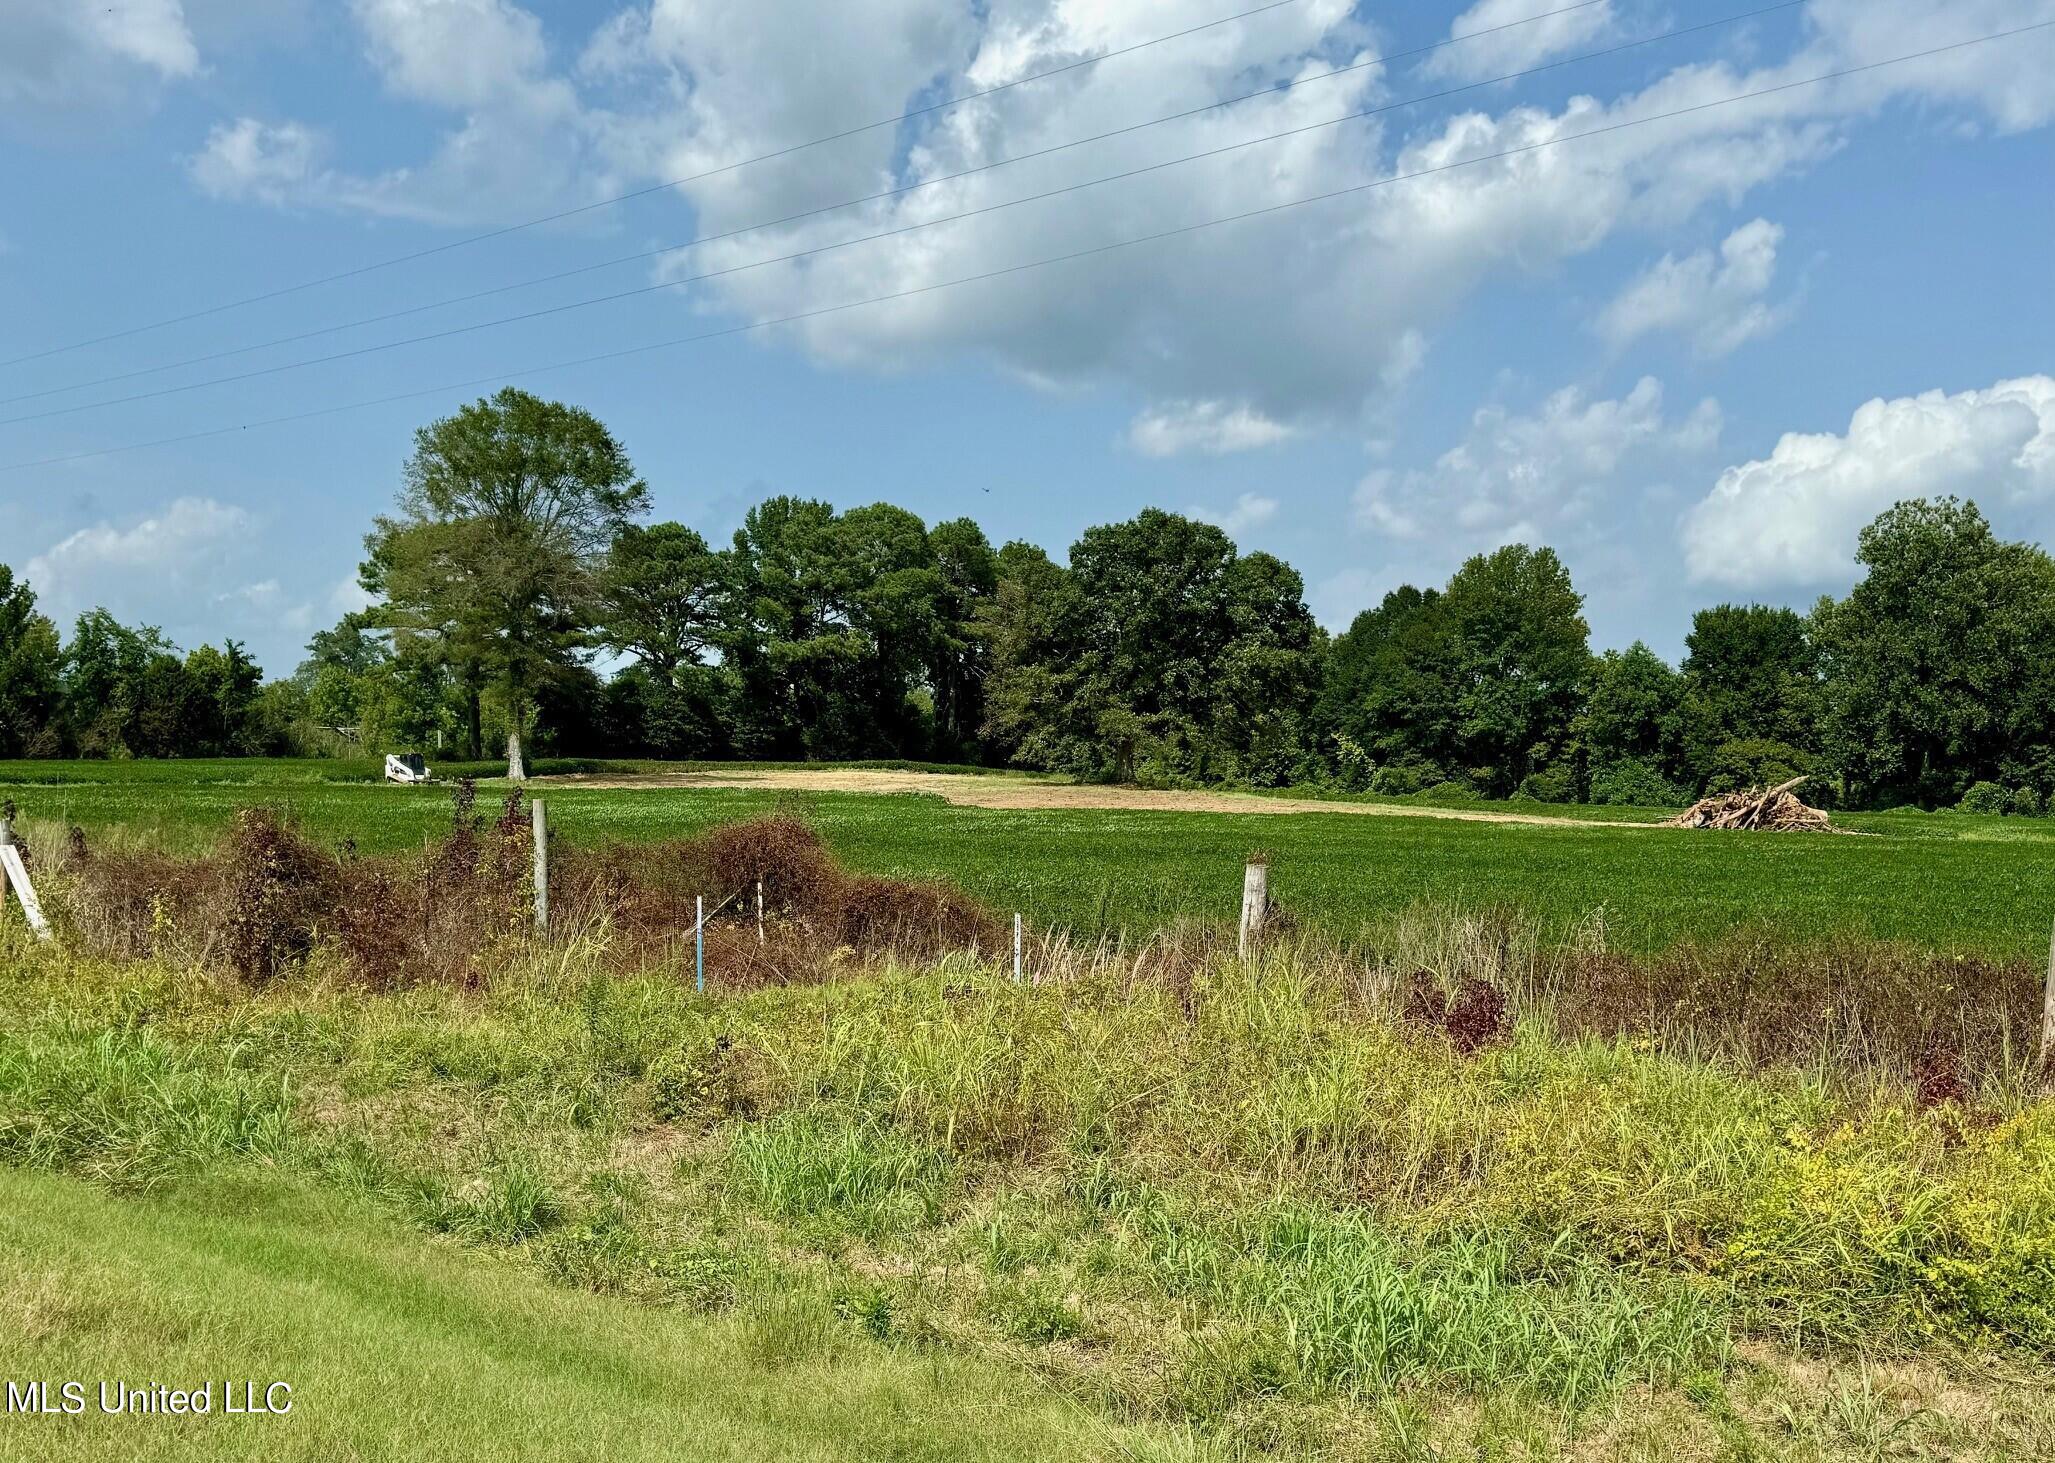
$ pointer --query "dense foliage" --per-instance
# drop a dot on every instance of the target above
(518, 595)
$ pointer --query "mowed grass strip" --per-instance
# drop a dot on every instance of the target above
(398, 1348)
(1944, 882)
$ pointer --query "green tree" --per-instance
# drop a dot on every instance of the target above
(1751, 674)
(787, 635)
(1521, 656)
(1630, 712)
(105, 664)
(1939, 666)
(495, 561)
(31, 673)
(1389, 693)
(958, 662)
(1161, 652)
(1019, 629)
(661, 597)
(890, 587)
(226, 683)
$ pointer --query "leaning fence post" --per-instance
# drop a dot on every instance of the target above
(1255, 900)
(540, 823)
(15, 871)
(699, 943)
(1016, 947)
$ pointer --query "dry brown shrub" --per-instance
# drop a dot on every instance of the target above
(1765, 1000)
(921, 920)
(799, 875)
(135, 905)
(278, 888)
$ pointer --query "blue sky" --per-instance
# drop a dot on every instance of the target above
(1694, 355)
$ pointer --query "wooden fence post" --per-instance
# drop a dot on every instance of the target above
(540, 823)
(1016, 947)
(14, 870)
(1255, 902)
(759, 912)
(699, 943)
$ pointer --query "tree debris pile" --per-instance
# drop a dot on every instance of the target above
(1778, 810)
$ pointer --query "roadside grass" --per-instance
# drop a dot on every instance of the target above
(1256, 1212)
(394, 1347)
(1953, 883)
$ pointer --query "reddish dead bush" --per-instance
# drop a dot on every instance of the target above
(1937, 1079)
(1471, 1019)
(277, 887)
(799, 875)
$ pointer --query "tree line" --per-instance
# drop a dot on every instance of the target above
(522, 600)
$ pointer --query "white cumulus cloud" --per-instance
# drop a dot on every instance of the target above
(1717, 302)
(1500, 43)
(248, 158)
(66, 53)
(1792, 518)
(1293, 320)
(193, 552)
(1524, 478)
(1213, 427)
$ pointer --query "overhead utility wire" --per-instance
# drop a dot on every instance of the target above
(820, 249)
(1013, 269)
(763, 157)
(905, 189)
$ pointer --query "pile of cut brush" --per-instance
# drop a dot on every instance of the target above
(1778, 811)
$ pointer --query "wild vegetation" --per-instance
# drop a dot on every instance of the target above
(516, 567)
(1455, 1186)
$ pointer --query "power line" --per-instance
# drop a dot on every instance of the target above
(816, 250)
(763, 157)
(903, 190)
(1265, 211)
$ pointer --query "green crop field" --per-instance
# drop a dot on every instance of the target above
(1950, 882)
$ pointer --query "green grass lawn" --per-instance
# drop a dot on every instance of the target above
(396, 1347)
(1949, 882)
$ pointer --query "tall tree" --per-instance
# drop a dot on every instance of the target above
(1162, 652)
(31, 671)
(1388, 697)
(105, 667)
(496, 556)
(890, 587)
(1751, 674)
(661, 597)
(957, 660)
(1522, 656)
(1019, 629)
(787, 635)
(1938, 663)
(1631, 708)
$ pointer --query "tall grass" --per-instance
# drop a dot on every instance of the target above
(1180, 1185)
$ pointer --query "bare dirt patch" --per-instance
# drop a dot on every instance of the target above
(972, 791)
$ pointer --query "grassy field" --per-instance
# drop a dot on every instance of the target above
(396, 1347)
(1947, 882)
(1256, 1214)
